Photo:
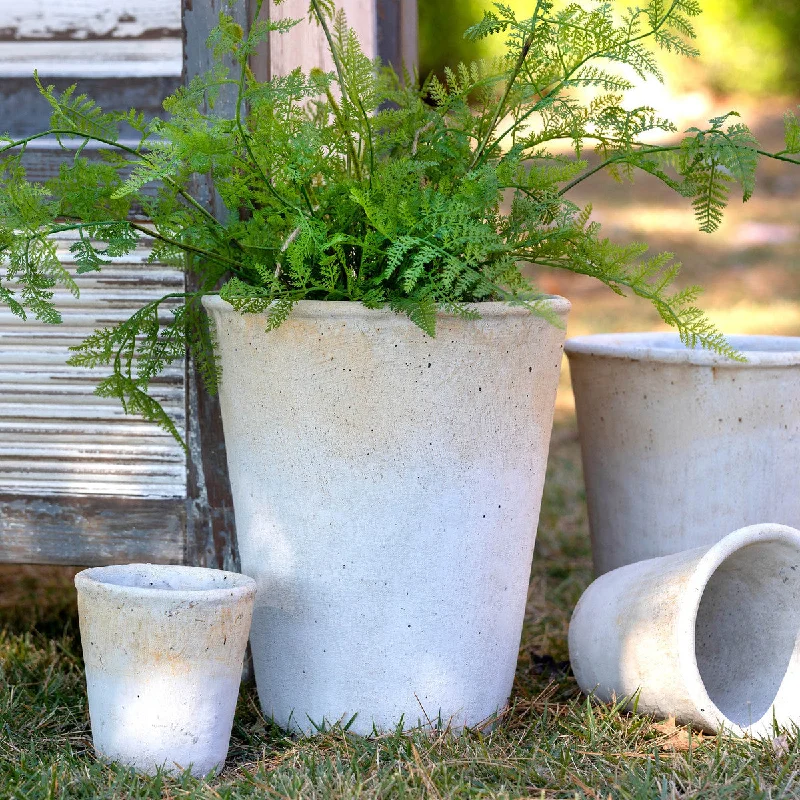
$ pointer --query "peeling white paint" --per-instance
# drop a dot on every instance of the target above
(89, 19)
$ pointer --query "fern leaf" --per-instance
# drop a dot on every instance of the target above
(711, 197)
(246, 298)
(136, 401)
(420, 309)
(77, 114)
(792, 132)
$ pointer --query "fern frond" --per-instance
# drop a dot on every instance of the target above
(488, 26)
(246, 298)
(136, 401)
(78, 114)
(356, 184)
(791, 132)
(711, 196)
(419, 308)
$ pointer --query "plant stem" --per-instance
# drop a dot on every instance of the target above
(342, 123)
(234, 266)
(340, 72)
(248, 147)
(778, 156)
(614, 160)
(509, 86)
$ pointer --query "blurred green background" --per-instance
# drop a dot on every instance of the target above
(748, 47)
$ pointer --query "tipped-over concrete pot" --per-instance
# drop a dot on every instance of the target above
(682, 446)
(387, 489)
(163, 647)
(708, 636)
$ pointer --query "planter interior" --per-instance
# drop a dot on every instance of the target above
(746, 635)
(709, 636)
(158, 580)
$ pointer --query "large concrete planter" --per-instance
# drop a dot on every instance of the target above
(708, 636)
(682, 446)
(163, 648)
(387, 489)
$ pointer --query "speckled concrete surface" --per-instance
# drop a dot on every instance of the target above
(163, 648)
(387, 489)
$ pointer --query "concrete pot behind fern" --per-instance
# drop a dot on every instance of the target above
(387, 487)
(682, 446)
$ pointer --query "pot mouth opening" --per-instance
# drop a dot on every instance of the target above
(667, 347)
(747, 618)
(164, 579)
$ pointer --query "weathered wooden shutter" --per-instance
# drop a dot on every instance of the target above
(124, 54)
(81, 483)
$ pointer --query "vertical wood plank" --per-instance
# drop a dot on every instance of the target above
(304, 46)
(260, 60)
(397, 33)
(409, 30)
(210, 524)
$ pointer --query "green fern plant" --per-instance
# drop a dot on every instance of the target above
(362, 185)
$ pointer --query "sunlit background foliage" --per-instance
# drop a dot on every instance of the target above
(748, 47)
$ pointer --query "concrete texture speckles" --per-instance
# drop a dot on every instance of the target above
(387, 489)
(163, 648)
(681, 446)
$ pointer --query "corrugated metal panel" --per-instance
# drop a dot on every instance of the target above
(56, 436)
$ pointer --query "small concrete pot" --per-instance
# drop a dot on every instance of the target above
(163, 648)
(387, 487)
(708, 636)
(682, 446)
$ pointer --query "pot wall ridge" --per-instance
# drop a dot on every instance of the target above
(350, 309)
(667, 348)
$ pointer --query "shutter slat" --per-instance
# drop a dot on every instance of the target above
(56, 436)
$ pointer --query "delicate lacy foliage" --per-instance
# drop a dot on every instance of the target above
(359, 185)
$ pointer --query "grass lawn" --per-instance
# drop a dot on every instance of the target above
(552, 742)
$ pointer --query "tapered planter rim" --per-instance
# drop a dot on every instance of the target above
(107, 580)
(690, 605)
(349, 308)
(667, 348)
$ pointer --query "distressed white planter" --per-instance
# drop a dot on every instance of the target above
(163, 648)
(681, 446)
(709, 636)
(387, 488)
